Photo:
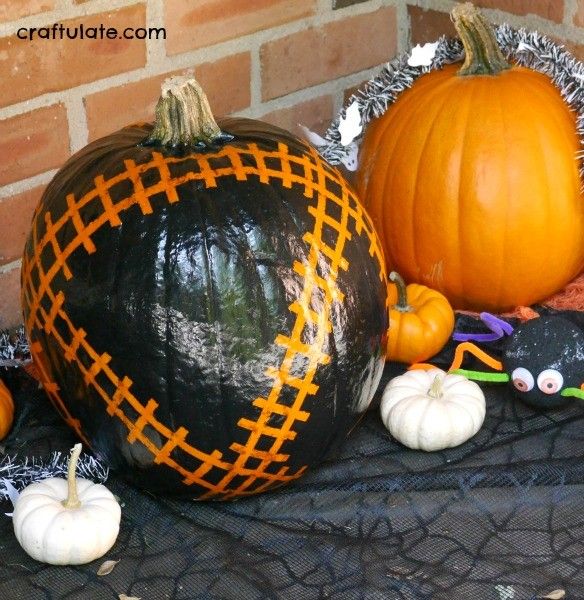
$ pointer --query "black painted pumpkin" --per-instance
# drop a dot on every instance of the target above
(206, 306)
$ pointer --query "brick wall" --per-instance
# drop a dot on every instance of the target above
(284, 61)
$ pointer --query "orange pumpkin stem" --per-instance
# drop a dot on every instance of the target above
(183, 116)
(402, 293)
(482, 53)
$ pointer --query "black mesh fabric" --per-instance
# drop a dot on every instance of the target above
(500, 517)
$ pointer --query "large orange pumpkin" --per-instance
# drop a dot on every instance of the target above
(471, 178)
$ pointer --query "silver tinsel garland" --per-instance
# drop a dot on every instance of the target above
(525, 48)
(14, 349)
(19, 474)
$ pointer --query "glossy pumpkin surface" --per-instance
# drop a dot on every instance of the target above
(210, 321)
(6, 410)
(473, 185)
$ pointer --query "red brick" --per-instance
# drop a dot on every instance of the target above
(429, 25)
(548, 9)
(316, 114)
(115, 108)
(16, 217)
(579, 16)
(10, 10)
(315, 55)
(10, 311)
(576, 49)
(33, 143)
(35, 67)
(205, 22)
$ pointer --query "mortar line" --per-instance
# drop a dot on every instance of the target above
(155, 48)
(24, 185)
(77, 119)
(11, 266)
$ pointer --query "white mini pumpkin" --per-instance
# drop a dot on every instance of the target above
(66, 521)
(432, 410)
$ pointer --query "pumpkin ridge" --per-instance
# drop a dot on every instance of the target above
(466, 195)
(423, 104)
(545, 91)
(459, 195)
(380, 133)
(168, 356)
(42, 294)
(540, 89)
(504, 101)
(505, 162)
(212, 302)
(428, 403)
(419, 164)
(387, 179)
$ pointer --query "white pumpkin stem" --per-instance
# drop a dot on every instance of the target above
(183, 116)
(435, 390)
(402, 293)
(72, 500)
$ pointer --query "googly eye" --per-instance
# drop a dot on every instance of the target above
(522, 379)
(550, 381)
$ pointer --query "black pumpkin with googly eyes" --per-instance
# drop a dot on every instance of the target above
(543, 357)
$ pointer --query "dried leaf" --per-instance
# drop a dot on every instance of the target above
(124, 597)
(107, 567)
(555, 595)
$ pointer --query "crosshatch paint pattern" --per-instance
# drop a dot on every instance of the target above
(46, 258)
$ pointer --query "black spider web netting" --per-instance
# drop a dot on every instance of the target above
(500, 517)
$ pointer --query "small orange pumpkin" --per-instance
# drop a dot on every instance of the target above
(6, 410)
(420, 321)
(471, 178)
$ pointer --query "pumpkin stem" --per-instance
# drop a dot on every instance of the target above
(72, 500)
(402, 293)
(184, 117)
(435, 390)
(482, 53)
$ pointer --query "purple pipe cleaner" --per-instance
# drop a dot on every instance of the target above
(498, 327)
